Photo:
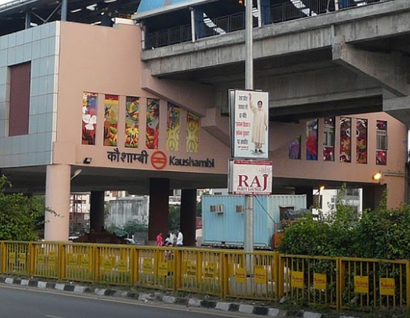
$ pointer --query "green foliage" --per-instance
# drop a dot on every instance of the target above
(21, 217)
(382, 233)
(174, 218)
(129, 229)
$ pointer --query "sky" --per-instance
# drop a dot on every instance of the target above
(4, 1)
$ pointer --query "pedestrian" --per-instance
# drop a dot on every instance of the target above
(180, 239)
(172, 237)
(159, 239)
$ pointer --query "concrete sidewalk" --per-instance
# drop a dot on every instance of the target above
(168, 299)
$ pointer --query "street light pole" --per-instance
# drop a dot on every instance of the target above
(249, 213)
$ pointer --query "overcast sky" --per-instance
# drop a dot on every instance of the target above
(4, 1)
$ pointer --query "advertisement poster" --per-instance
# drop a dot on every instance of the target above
(250, 177)
(249, 115)
(89, 120)
(173, 124)
(132, 108)
(111, 120)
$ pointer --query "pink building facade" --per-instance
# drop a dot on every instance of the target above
(76, 96)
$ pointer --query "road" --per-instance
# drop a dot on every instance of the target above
(27, 302)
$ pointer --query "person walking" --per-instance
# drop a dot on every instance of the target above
(180, 239)
(159, 240)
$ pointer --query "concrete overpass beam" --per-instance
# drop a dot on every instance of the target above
(390, 70)
(399, 108)
(216, 125)
(192, 96)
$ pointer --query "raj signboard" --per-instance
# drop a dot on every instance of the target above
(249, 116)
(250, 177)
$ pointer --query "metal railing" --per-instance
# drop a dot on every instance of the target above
(333, 282)
(231, 23)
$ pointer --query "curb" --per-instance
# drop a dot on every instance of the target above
(167, 299)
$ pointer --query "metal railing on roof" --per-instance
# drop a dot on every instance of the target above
(295, 9)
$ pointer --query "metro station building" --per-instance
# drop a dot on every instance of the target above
(76, 95)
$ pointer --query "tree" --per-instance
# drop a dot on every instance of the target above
(21, 217)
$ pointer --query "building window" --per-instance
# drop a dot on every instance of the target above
(20, 77)
(381, 142)
(329, 139)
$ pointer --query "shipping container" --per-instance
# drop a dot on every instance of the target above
(223, 219)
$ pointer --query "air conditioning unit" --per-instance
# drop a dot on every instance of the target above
(240, 208)
(218, 208)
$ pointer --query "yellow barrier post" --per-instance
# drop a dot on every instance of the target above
(96, 269)
(225, 273)
(3, 257)
(61, 261)
(178, 268)
(276, 273)
(408, 284)
(31, 258)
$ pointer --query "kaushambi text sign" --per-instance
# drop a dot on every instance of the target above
(249, 116)
(250, 177)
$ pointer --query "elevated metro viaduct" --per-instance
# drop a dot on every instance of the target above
(72, 96)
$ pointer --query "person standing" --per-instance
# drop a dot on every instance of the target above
(259, 124)
(180, 239)
(159, 239)
(172, 238)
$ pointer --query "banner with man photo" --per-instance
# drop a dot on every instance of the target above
(249, 115)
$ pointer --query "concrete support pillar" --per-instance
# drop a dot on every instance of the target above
(158, 208)
(27, 21)
(57, 223)
(64, 6)
(188, 216)
(97, 211)
(309, 195)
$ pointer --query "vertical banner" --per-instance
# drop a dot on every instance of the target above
(152, 129)
(89, 120)
(294, 148)
(329, 139)
(311, 140)
(192, 133)
(249, 115)
(361, 141)
(132, 111)
(345, 139)
(173, 124)
(111, 120)
(381, 143)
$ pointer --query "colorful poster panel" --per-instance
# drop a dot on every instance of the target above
(311, 140)
(89, 119)
(361, 141)
(152, 129)
(381, 143)
(249, 124)
(329, 139)
(173, 124)
(345, 139)
(294, 148)
(192, 133)
(110, 120)
(132, 111)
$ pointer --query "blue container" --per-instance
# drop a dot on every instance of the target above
(223, 219)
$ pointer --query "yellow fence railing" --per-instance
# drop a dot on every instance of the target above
(334, 282)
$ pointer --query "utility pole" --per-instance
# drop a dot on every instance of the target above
(249, 213)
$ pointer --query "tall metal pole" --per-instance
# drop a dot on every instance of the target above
(249, 213)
